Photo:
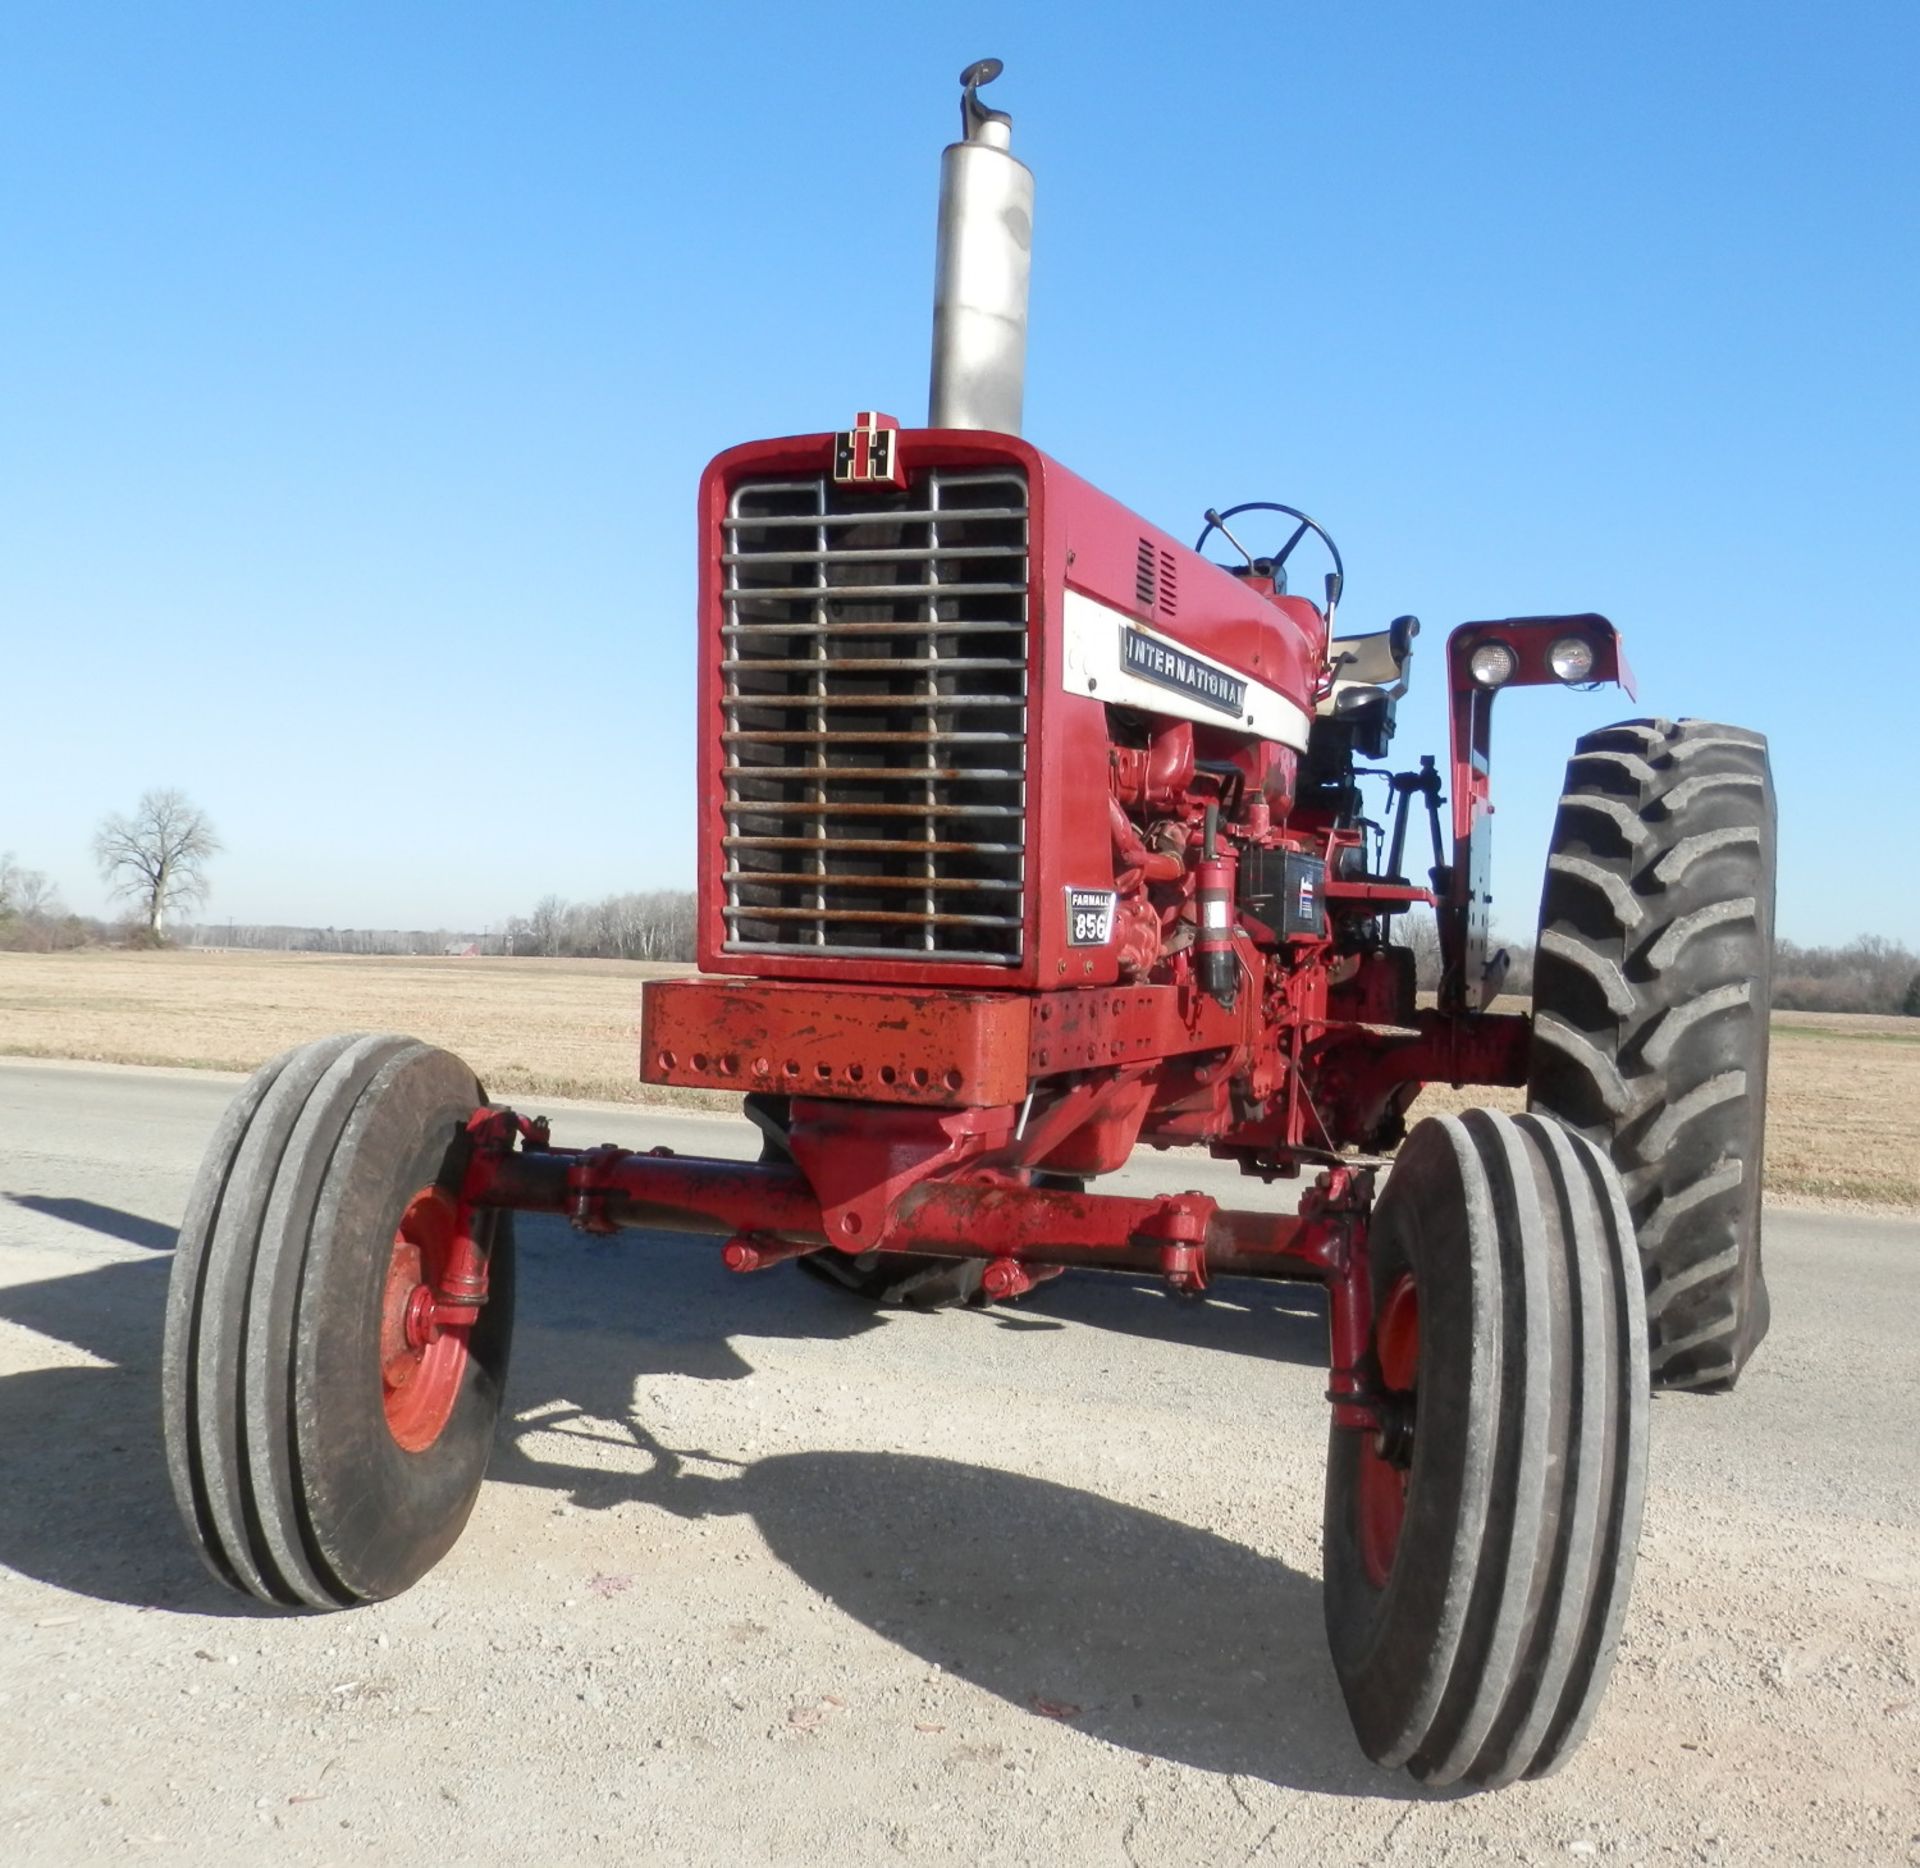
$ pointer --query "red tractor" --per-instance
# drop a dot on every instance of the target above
(1030, 836)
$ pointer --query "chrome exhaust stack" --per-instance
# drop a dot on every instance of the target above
(980, 270)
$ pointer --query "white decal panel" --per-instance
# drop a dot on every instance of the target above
(1111, 656)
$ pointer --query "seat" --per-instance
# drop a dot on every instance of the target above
(1369, 677)
(1378, 660)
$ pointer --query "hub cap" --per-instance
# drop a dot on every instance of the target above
(421, 1362)
(1386, 1455)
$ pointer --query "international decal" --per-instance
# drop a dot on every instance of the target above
(1168, 667)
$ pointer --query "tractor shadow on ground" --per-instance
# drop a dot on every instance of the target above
(1163, 1638)
(1152, 1635)
(82, 1470)
(85, 1502)
(1237, 1316)
(1149, 1634)
(1156, 1636)
(110, 1222)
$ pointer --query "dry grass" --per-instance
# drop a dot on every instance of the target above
(1843, 1108)
(528, 1027)
(1843, 1119)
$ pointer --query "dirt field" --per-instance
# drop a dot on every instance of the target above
(1843, 1110)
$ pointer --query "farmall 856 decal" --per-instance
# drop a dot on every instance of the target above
(1089, 917)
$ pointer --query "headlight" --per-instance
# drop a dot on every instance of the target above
(1571, 658)
(1492, 664)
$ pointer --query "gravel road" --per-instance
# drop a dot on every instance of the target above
(761, 1577)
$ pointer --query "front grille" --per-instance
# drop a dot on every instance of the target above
(874, 682)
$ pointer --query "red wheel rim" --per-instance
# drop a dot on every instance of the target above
(1383, 1484)
(420, 1367)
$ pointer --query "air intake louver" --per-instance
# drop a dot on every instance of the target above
(1154, 575)
(874, 680)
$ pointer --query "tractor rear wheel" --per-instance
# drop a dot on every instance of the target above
(322, 1452)
(1652, 987)
(1479, 1544)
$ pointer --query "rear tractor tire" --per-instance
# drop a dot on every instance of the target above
(1652, 988)
(1479, 1545)
(320, 1457)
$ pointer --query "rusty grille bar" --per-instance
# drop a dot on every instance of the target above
(874, 681)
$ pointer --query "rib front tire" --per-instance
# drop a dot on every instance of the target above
(1479, 1547)
(318, 1458)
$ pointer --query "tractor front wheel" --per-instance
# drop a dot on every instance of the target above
(1480, 1539)
(326, 1439)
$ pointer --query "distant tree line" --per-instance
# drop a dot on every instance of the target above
(653, 924)
(254, 937)
(1868, 974)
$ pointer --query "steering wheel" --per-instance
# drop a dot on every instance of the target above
(1216, 522)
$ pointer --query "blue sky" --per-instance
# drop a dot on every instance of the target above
(357, 364)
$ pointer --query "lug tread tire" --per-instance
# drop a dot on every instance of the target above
(270, 1402)
(1483, 1657)
(1652, 989)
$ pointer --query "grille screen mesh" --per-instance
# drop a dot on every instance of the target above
(874, 675)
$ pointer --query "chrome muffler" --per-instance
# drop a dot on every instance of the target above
(981, 268)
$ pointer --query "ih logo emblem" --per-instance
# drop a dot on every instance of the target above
(868, 453)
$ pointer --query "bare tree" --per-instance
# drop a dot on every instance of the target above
(31, 912)
(1417, 930)
(157, 858)
(22, 891)
(547, 925)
